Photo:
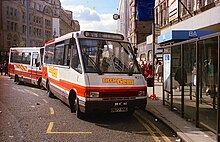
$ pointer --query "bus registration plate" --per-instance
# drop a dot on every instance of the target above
(119, 109)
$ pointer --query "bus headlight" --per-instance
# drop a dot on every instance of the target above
(141, 93)
(94, 94)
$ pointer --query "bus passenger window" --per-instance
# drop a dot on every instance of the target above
(67, 55)
(75, 63)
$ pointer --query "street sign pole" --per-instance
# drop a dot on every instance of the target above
(27, 24)
(153, 50)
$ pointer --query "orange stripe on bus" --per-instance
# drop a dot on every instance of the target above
(125, 91)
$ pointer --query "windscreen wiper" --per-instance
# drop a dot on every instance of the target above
(95, 65)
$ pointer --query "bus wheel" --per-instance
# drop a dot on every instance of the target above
(17, 80)
(72, 101)
(50, 94)
(130, 112)
(39, 83)
(79, 114)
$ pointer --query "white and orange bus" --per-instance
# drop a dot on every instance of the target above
(94, 72)
(25, 64)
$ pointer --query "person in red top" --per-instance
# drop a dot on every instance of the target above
(148, 70)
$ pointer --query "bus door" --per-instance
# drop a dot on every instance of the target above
(35, 67)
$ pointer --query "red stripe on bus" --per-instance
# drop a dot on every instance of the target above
(104, 91)
(50, 41)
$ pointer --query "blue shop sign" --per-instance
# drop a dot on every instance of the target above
(180, 35)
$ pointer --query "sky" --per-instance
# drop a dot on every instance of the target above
(93, 14)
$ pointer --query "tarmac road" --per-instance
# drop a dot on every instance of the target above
(28, 114)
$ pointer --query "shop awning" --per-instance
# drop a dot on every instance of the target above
(180, 35)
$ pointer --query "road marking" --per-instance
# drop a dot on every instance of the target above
(155, 127)
(49, 131)
(35, 94)
(156, 139)
(51, 111)
(45, 101)
(32, 93)
(34, 89)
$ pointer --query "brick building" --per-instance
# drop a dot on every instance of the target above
(47, 19)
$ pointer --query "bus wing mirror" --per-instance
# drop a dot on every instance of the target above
(135, 50)
(37, 64)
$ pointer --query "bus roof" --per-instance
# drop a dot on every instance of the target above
(90, 34)
(19, 49)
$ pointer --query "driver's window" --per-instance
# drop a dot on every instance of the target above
(75, 63)
(36, 60)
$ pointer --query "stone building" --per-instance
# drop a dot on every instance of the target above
(140, 20)
(47, 19)
(190, 41)
(136, 18)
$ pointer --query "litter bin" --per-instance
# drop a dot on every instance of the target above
(150, 81)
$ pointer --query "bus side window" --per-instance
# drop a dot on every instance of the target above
(67, 55)
(49, 54)
(75, 63)
(41, 55)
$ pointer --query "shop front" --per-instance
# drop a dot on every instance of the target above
(191, 77)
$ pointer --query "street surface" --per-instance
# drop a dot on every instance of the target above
(27, 114)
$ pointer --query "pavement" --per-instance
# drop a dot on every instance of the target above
(186, 130)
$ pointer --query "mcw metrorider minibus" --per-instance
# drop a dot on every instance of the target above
(94, 72)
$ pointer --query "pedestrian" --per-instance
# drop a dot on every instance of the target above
(142, 66)
(146, 71)
(194, 74)
(5, 67)
(159, 71)
(210, 77)
(1, 67)
(181, 77)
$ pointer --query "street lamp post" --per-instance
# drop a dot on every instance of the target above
(153, 50)
(27, 24)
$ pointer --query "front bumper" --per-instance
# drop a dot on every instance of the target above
(96, 105)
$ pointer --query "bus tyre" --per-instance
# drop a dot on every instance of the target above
(17, 80)
(50, 94)
(79, 114)
(72, 102)
(130, 112)
(40, 84)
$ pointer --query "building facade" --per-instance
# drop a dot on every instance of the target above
(190, 41)
(123, 21)
(136, 18)
(189, 15)
(41, 23)
(140, 20)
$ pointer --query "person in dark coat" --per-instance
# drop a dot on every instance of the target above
(5, 67)
(181, 76)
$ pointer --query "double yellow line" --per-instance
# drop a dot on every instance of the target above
(148, 125)
(51, 124)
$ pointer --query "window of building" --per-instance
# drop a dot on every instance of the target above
(8, 25)
(30, 30)
(7, 11)
(11, 26)
(23, 29)
(15, 12)
(40, 7)
(34, 5)
(11, 11)
(23, 15)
